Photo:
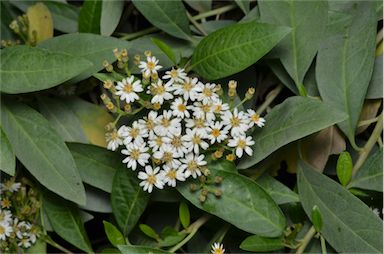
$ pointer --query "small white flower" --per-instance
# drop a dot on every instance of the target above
(150, 66)
(255, 118)
(175, 75)
(167, 124)
(242, 143)
(198, 124)
(135, 154)
(216, 133)
(192, 164)
(207, 93)
(149, 123)
(23, 228)
(160, 91)
(217, 248)
(176, 142)
(204, 110)
(219, 107)
(172, 173)
(155, 141)
(237, 121)
(180, 108)
(194, 140)
(5, 216)
(5, 230)
(151, 178)
(24, 243)
(166, 154)
(127, 89)
(114, 140)
(188, 89)
(10, 186)
(134, 134)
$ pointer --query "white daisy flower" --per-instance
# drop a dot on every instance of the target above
(207, 93)
(150, 66)
(24, 243)
(148, 123)
(216, 133)
(136, 153)
(127, 89)
(204, 110)
(5, 216)
(151, 177)
(237, 121)
(113, 139)
(5, 230)
(255, 118)
(10, 186)
(155, 141)
(180, 108)
(172, 173)
(198, 124)
(134, 134)
(194, 140)
(160, 91)
(189, 89)
(217, 248)
(167, 124)
(242, 143)
(176, 142)
(192, 164)
(166, 154)
(175, 75)
(219, 107)
(23, 228)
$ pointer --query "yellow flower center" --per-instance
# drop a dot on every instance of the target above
(181, 107)
(216, 132)
(159, 89)
(242, 144)
(165, 122)
(176, 141)
(206, 108)
(168, 157)
(218, 108)
(2, 230)
(255, 117)
(5, 203)
(159, 141)
(172, 174)
(192, 165)
(150, 124)
(219, 251)
(235, 121)
(135, 154)
(150, 65)
(134, 132)
(196, 139)
(199, 123)
(114, 135)
(207, 92)
(187, 86)
(174, 73)
(128, 88)
(151, 179)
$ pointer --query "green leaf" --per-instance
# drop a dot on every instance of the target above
(370, 175)
(241, 198)
(293, 119)
(97, 201)
(7, 156)
(184, 215)
(200, 5)
(261, 244)
(94, 48)
(165, 48)
(111, 12)
(65, 219)
(41, 150)
(148, 231)
(129, 249)
(244, 5)
(90, 15)
(375, 89)
(114, 235)
(168, 15)
(344, 168)
(316, 218)
(40, 246)
(349, 225)
(308, 20)
(63, 119)
(65, 16)
(234, 48)
(170, 237)
(128, 199)
(25, 69)
(345, 63)
(280, 193)
(96, 165)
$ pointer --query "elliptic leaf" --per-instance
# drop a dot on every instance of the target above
(148, 231)
(97, 201)
(280, 193)
(114, 235)
(200, 5)
(165, 48)
(261, 244)
(244, 5)
(129, 249)
(110, 16)
(40, 23)
(234, 48)
(344, 168)
(184, 214)
(168, 15)
(7, 156)
(26, 69)
(90, 15)
(293, 119)
(375, 89)
(316, 218)
(65, 16)
(128, 199)
(345, 63)
(349, 225)
(41, 150)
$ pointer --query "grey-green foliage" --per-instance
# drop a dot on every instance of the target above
(261, 244)
(345, 63)
(244, 5)
(375, 89)
(293, 119)
(128, 249)
(63, 119)
(308, 20)
(41, 150)
(168, 15)
(349, 225)
(280, 193)
(128, 199)
(90, 15)
(111, 12)
(7, 156)
(65, 219)
(28, 69)
(370, 175)
(234, 48)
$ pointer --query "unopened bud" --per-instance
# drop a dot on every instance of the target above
(205, 171)
(120, 64)
(147, 104)
(232, 84)
(110, 126)
(202, 198)
(249, 94)
(111, 107)
(156, 106)
(202, 179)
(124, 53)
(148, 53)
(156, 161)
(219, 90)
(128, 108)
(204, 192)
(136, 59)
(230, 157)
(232, 93)
(154, 76)
(104, 97)
(218, 154)
(218, 193)
(218, 179)
(108, 84)
(116, 53)
(192, 187)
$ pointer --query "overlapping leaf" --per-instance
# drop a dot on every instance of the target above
(7, 156)
(90, 15)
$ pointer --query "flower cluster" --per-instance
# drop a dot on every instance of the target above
(185, 120)
(18, 208)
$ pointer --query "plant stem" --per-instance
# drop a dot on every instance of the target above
(48, 240)
(307, 238)
(269, 99)
(146, 31)
(193, 228)
(369, 145)
(367, 122)
(323, 246)
(379, 36)
(197, 25)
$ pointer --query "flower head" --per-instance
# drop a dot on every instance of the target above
(189, 89)
(217, 248)
(136, 153)
(172, 173)
(242, 143)
(255, 119)
(192, 164)
(160, 92)
(127, 89)
(114, 140)
(216, 132)
(150, 66)
(175, 75)
(151, 177)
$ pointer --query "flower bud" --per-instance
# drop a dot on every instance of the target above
(202, 198)
(128, 108)
(218, 179)
(148, 53)
(120, 64)
(156, 106)
(232, 84)
(230, 157)
(205, 171)
(108, 84)
(204, 192)
(111, 107)
(116, 53)
(249, 94)
(193, 187)
(124, 53)
(136, 59)
(218, 193)
(154, 76)
(202, 179)
(218, 154)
